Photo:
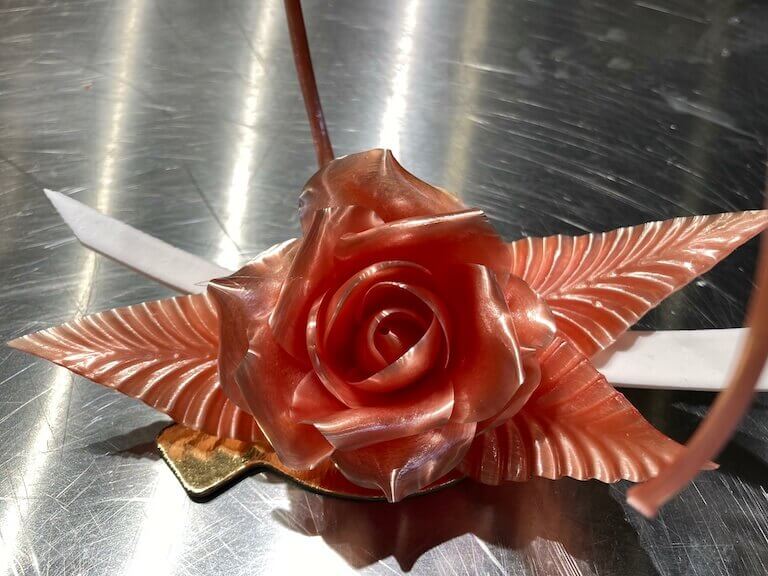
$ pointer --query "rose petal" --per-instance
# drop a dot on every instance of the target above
(485, 364)
(425, 297)
(404, 466)
(311, 401)
(457, 238)
(345, 305)
(260, 281)
(263, 277)
(410, 366)
(532, 370)
(312, 272)
(423, 407)
(533, 320)
(251, 360)
(377, 347)
(375, 180)
(333, 382)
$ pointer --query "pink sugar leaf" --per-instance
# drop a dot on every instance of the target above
(598, 285)
(575, 424)
(163, 353)
(166, 353)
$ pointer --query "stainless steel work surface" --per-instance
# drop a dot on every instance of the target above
(184, 118)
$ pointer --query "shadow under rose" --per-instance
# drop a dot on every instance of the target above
(582, 517)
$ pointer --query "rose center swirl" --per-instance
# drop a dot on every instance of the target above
(381, 331)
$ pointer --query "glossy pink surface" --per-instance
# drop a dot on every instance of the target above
(573, 424)
(401, 338)
(375, 180)
(164, 353)
(598, 285)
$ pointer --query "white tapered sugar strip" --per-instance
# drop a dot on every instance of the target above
(674, 359)
(144, 253)
(667, 359)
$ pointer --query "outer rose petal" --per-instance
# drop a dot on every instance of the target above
(532, 370)
(375, 180)
(311, 271)
(576, 425)
(458, 238)
(312, 401)
(252, 361)
(405, 466)
(533, 320)
(485, 365)
(425, 407)
(261, 281)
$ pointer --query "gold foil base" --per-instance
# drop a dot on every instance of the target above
(205, 464)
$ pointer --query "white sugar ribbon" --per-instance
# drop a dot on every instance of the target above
(130, 247)
(665, 359)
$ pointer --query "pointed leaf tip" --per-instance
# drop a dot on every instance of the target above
(163, 353)
(598, 285)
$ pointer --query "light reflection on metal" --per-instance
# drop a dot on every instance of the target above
(35, 461)
(313, 558)
(165, 512)
(468, 81)
(246, 148)
(158, 544)
(54, 412)
(394, 112)
(121, 97)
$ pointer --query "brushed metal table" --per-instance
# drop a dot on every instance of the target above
(184, 118)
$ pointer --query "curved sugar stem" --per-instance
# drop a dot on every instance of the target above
(306, 75)
(727, 411)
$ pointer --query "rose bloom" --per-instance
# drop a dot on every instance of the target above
(388, 338)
